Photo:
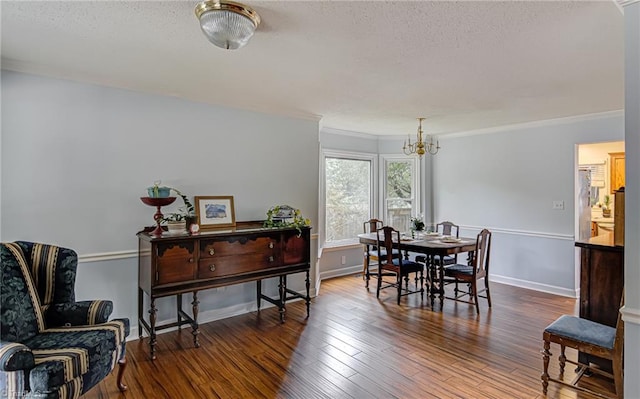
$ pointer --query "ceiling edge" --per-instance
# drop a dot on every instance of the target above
(540, 123)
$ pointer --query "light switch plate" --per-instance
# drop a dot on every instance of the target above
(558, 205)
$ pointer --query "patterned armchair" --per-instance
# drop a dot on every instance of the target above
(52, 347)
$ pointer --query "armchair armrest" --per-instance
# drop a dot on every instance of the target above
(78, 313)
(15, 356)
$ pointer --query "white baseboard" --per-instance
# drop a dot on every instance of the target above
(344, 271)
(551, 289)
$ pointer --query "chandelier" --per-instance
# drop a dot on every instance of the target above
(227, 24)
(420, 146)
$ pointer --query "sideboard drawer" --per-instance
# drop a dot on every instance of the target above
(222, 266)
(237, 245)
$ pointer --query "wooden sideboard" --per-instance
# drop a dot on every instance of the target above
(601, 283)
(174, 265)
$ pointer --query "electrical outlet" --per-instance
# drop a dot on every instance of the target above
(344, 260)
(558, 205)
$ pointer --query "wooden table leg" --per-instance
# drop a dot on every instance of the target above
(432, 271)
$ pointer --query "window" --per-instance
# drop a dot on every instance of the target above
(349, 195)
(401, 199)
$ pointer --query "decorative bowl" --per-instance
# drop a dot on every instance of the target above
(158, 192)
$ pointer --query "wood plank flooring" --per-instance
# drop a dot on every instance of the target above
(357, 346)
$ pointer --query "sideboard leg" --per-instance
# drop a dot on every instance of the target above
(259, 293)
(152, 334)
(308, 298)
(441, 270)
(283, 294)
(179, 307)
(195, 328)
(140, 305)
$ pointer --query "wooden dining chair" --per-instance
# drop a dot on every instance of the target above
(449, 229)
(589, 337)
(371, 251)
(477, 269)
(396, 267)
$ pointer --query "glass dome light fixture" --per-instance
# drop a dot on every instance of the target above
(227, 24)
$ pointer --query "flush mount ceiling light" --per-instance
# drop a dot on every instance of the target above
(227, 24)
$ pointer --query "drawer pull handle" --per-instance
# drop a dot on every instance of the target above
(270, 245)
(271, 259)
(212, 251)
(212, 268)
(190, 260)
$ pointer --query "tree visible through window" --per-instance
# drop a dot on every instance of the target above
(400, 198)
(348, 197)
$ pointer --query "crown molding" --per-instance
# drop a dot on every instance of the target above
(539, 123)
(350, 133)
(624, 3)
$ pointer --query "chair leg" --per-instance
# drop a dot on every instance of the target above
(122, 364)
(379, 283)
(545, 369)
(618, 375)
(399, 280)
(474, 289)
(562, 359)
(486, 288)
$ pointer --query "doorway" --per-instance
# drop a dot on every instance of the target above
(603, 166)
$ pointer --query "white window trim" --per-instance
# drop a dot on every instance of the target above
(384, 159)
(364, 156)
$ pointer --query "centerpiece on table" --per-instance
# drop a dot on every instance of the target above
(417, 224)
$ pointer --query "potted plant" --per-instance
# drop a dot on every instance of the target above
(606, 207)
(286, 216)
(176, 223)
(187, 210)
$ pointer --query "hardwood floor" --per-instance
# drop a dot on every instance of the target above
(356, 346)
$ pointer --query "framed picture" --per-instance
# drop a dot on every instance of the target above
(215, 211)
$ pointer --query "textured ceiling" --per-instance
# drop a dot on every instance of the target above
(366, 66)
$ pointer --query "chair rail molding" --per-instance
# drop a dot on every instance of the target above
(530, 233)
(630, 315)
(103, 256)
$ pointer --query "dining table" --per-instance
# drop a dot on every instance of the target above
(434, 247)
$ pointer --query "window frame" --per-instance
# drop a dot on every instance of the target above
(385, 159)
(373, 205)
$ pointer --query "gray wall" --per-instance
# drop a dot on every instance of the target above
(631, 310)
(77, 157)
(506, 181)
